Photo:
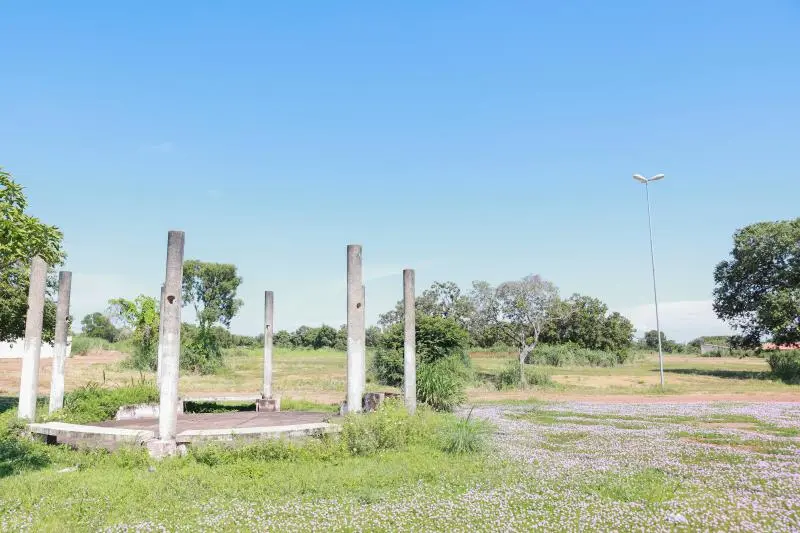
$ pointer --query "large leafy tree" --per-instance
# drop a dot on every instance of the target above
(140, 316)
(518, 311)
(758, 289)
(443, 299)
(211, 289)
(22, 237)
(99, 326)
(587, 323)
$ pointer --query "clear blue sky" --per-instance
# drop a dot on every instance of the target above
(470, 140)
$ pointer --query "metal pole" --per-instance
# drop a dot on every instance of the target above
(269, 305)
(655, 291)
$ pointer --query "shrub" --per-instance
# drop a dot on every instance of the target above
(509, 377)
(81, 344)
(200, 352)
(464, 435)
(569, 354)
(95, 403)
(785, 364)
(437, 338)
(388, 428)
(440, 384)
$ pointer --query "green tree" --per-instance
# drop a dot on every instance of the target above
(99, 326)
(325, 337)
(651, 339)
(438, 338)
(757, 290)
(211, 289)
(22, 237)
(142, 317)
(442, 299)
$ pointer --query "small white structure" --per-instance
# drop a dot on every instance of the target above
(15, 349)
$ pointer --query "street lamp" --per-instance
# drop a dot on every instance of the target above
(646, 181)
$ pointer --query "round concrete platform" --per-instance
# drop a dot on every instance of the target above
(230, 420)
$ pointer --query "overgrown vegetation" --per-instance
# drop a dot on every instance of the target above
(785, 365)
(22, 237)
(95, 403)
(511, 377)
(572, 355)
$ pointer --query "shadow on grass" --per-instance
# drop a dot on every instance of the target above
(721, 373)
(7, 403)
(209, 407)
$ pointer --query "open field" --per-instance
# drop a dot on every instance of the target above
(319, 376)
(549, 467)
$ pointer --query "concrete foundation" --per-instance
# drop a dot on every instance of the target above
(29, 379)
(268, 405)
(60, 345)
(192, 429)
(373, 400)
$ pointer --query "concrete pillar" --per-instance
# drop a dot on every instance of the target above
(171, 345)
(410, 342)
(60, 347)
(160, 335)
(29, 380)
(364, 359)
(356, 333)
(269, 306)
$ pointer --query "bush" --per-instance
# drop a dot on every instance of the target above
(200, 352)
(95, 403)
(785, 365)
(81, 344)
(437, 338)
(509, 377)
(388, 428)
(569, 355)
(440, 384)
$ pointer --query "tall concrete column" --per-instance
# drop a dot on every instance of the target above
(160, 352)
(60, 347)
(410, 342)
(269, 306)
(364, 359)
(171, 345)
(29, 380)
(356, 334)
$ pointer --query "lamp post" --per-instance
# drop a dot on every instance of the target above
(646, 181)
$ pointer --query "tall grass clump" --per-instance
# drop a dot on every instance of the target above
(785, 365)
(441, 384)
(511, 377)
(464, 435)
(572, 355)
(95, 403)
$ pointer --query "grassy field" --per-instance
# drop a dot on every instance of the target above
(548, 467)
(319, 376)
(599, 449)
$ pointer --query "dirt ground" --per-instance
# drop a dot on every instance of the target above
(319, 378)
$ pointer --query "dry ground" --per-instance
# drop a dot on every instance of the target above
(320, 376)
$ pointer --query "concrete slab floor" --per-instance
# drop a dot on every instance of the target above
(235, 419)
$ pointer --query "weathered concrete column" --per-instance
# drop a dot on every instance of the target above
(60, 347)
(29, 380)
(410, 342)
(269, 303)
(364, 359)
(171, 345)
(355, 330)
(160, 335)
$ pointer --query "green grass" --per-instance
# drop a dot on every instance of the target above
(771, 447)
(648, 486)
